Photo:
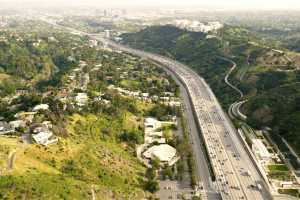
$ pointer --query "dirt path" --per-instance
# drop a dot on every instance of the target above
(10, 160)
(93, 193)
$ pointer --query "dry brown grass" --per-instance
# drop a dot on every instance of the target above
(3, 77)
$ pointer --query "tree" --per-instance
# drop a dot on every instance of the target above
(8, 86)
(155, 163)
(133, 136)
(152, 186)
(161, 111)
(196, 198)
(150, 173)
(168, 173)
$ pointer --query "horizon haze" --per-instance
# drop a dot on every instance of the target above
(195, 4)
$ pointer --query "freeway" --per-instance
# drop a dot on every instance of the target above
(236, 175)
(202, 167)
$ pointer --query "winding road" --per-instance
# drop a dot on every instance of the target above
(234, 108)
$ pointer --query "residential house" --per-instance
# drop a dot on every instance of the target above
(164, 152)
(5, 128)
(17, 124)
(40, 107)
(26, 116)
(44, 138)
(81, 99)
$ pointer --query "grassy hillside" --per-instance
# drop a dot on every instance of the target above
(95, 154)
(89, 158)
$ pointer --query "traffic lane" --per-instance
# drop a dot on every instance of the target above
(247, 163)
(202, 165)
(234, 159)
(243, 154)
(239, 166)
(216, 122)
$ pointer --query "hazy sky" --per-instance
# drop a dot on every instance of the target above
(227, 4)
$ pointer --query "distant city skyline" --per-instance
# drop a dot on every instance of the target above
(217, 4)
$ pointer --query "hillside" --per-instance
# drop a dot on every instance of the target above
(268, 78)
(94, 156)
(79, 164)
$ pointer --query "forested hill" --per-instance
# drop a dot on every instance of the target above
(268, 78)
(27, 60)
(193, 48)
(167, 40)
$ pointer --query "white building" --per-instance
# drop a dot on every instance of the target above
(261, 152)
(82, 64)
(5, 128)
(44, 138)
(107, 33)
(40, 107)
(151, 124)
(26, 116)
(17, 124)
(47, 124)
(286, 184)
(93, 43)
(81, 99)
(151, 133)
(164, 152)
(173, 103)
(146, 95)
(198, 26)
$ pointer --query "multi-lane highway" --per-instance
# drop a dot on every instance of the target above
(202, 165)
(236, 174)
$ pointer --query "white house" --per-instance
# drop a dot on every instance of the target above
(286, 184)
(159, 140)
(5, 128)
(145, 95)
(40, 128)
(17, 124)
(152, 123)
(26, 116)
(173, 103)
(81, 99)
(93, 43)
(82, 64)
(164, 152)
(44, 138)
(47, 124)
(156, 134)
(40, 107)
